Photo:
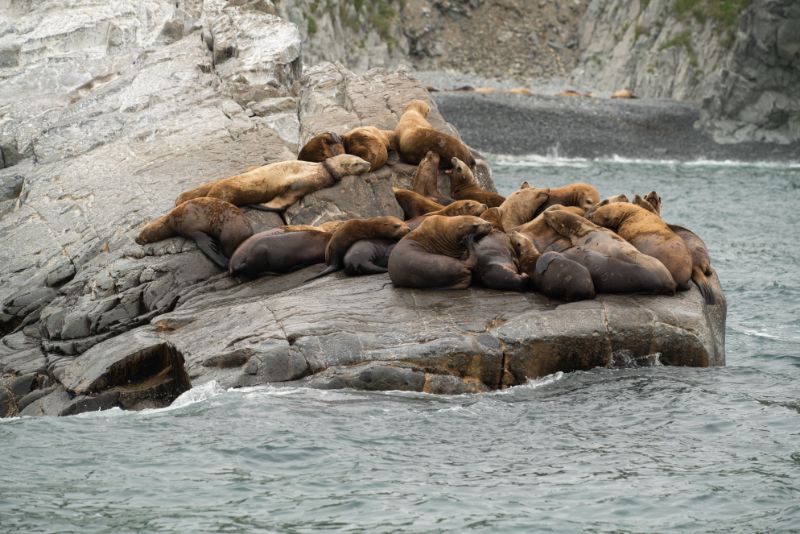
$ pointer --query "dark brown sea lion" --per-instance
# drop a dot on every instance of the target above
(497, 267)
(368, 256)
(542, 235)
(426, 179)
(616, 266)
(278, 252)
(416, 137)
(552, 273)
(385, 227)
(321, 147)
(464, 185)
(279, 184)
(414, 204)
(370, 144)
(459, 207)
(217, 227)
(521, 206)
(440, 253)
(649, 234)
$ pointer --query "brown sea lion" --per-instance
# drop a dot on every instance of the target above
(321, 147)
(370, 144)
(278, 252)
(642, 203)
(552, 273)
(414, 204)
(577, 194)
(279, 184)
(217, 227)
(649, 234)
(623, 93)
(416, 136)
(521, 206)
(385, 227)
(426, 179)
(459, 207)
(542, 235)
(606, 201)
(368, 256)
(497, 267)
(464, 185)
(569, 92)
(440, 253)
(616, 266)
(492, 215)
(520, 91)
(701, 261)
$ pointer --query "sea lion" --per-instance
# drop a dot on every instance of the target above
(321, 147)
(520, 91)
(552, 273)
(385, 227)
(642, 203)
(701, 261)
(606, 201)
(463, 185)
(368, 256)
(459, 207)
(492, 215)
(278, 252)
(521, 206)
(217, 227)
(616, 266)
(497, 267)
(414, 204)
(649, 234)
(440, 253)
(623, 93)
(279, 184)
(577, 194)
(426, 179)
(370, 144)
(569, 92)
(416, 136)
(542, 235)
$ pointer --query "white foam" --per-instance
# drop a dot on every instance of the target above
(554, 160)
(196, 394)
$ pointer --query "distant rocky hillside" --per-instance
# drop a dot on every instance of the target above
(738, 59)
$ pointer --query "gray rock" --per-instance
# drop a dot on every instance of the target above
(53, 403)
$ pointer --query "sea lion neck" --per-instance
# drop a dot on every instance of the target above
(332, 172)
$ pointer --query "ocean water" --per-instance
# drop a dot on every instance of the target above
(653, 449)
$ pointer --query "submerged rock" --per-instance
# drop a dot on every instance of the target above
(131, 117)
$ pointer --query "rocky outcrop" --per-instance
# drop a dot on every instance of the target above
(741, 62)
(168, 96)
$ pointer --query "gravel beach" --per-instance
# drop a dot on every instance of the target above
(581, 127)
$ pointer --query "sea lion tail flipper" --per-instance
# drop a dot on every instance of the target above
(370, 268)
(211, 248)
(703, 285)
(264, 207)
(328, 270)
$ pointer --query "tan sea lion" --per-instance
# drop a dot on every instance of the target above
(426, 179)
(616, 266)
(416, 136)
(464, 185)
(385, 227)
(577, 194)
(279, 184)
(496, 266)
(274, 252)
(520, 91)
(414, 204)
(623, 93)
(492, 216)
(321, 147)
(459, 207)
(521, 206)
(440, 253)
(552, 273)
(569, 92)
(370, 144)
(217, 227)
(649, 234)
(542, 235)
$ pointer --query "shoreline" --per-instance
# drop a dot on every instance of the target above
(594, 128)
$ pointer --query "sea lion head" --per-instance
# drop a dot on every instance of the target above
(465, 225)
(522, 244)
(463, 207)
(431, 158)
(605, 202)
(389, 227)
(420, 106)
(348, 164)
(655, 200)
(585, 195)
(566, 223)
(461, 172)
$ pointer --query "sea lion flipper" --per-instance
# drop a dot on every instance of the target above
(544, 262)
(328, 270)
(263, 207)
(211, 248)
(699, 278)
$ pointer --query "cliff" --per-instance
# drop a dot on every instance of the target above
(112, 110)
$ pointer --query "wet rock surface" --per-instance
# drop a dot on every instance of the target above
(155, 104)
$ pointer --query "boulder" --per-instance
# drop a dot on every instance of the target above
(145, 109)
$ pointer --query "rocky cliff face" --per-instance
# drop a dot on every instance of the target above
(742, 64)
(110, 111)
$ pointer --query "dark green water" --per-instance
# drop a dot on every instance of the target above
(638, 450)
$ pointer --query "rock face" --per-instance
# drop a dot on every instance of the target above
(743, 65)
(102, 129)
